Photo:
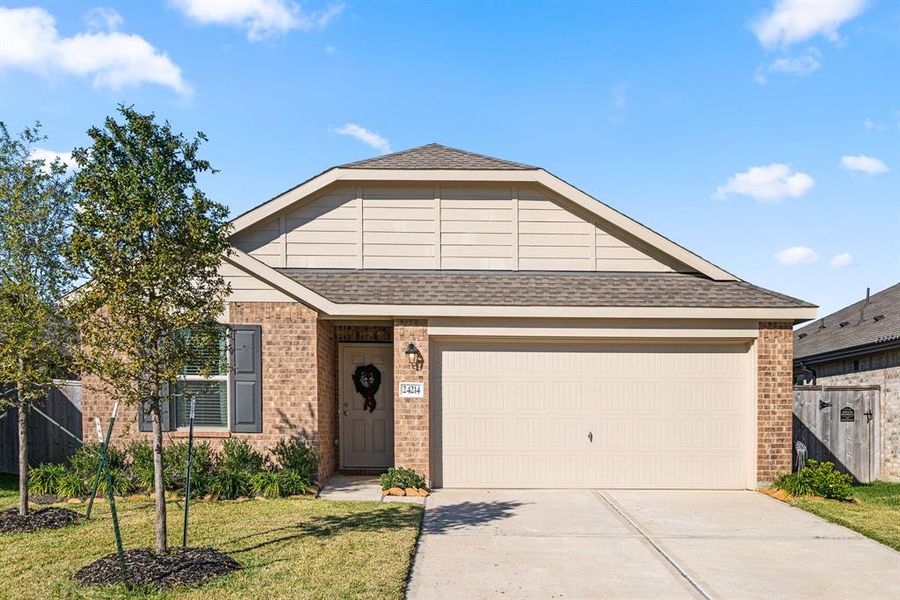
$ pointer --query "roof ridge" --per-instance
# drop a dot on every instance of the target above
(498, 163)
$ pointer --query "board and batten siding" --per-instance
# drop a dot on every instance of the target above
(440, 227)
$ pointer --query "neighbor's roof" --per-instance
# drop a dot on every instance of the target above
(435, 156)
(536, 288)
(860, 324)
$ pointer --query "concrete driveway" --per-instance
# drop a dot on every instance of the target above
(640, 544)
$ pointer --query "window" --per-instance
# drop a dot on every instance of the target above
(210, 393)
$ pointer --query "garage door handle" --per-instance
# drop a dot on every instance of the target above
(590, 436)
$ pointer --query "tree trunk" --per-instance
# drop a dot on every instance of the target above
(23, 459)
(158, 485)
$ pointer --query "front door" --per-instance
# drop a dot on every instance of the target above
(366, 406)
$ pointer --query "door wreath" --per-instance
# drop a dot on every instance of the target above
(367, 380)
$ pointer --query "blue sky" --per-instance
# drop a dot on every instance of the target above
(765, 136)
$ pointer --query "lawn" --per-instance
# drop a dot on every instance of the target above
(288, 548)
(875, 513)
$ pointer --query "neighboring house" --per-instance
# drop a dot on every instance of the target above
(859, 346)
(521, 333)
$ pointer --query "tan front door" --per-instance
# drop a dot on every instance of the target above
(615, 415)
(366, 433)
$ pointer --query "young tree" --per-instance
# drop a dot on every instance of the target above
(35, 212)
(150, 243)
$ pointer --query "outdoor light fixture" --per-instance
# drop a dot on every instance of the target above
(412, 353)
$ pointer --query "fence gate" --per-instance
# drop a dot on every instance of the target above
(838, 424)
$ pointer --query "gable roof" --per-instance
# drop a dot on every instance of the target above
(480, 169)
(436, 156)
(535, 288)
(860, 329)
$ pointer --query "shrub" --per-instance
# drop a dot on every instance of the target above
(141, 455)
(174, 466)
(85, 460)
(817, 479)
(292, 482)
(293, 454)
(238, 456)
(275, 484)
(44, 479)
(72, 486)
(231, 484)
(175, 459)
(402, 478)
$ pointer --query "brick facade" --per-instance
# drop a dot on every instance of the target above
(411, 422)
(881, 369)
(297, 384)
(774, 392)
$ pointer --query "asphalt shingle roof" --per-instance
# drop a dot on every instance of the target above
(536, 288)
(860, 325)
(435, 156)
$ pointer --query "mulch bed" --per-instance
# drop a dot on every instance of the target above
(180, 566)
(46, 518)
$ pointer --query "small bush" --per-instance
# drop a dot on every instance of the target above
(175, 459)
(72, 486)
(231, 484)
(141, 456)
(85, 460)
(817, 479)
(402, 478)
(238, 456)
(45, 479)
(295, 455)
(292, 482)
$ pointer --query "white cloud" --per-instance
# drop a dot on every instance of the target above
(50, 156)
(839, 261)
(796, 255)
(618, 95)
(864, 164)
(103, 19)
(799, 66)
(793, 21)
(112, 59)
(261, 18)
(767, 183)
(370, 138)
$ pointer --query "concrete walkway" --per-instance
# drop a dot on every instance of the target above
(640, 544)
(360, 488)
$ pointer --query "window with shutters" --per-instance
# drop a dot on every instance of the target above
(206, 382)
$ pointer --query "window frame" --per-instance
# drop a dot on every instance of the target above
(226, 377)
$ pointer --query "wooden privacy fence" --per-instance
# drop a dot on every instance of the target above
(838, 424)
(46, 443)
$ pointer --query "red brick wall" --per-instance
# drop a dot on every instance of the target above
(297, 399)
(774, 359)
(327, 426)
(411, 447)
(363, 333)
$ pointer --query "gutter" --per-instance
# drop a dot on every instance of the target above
(869, 348)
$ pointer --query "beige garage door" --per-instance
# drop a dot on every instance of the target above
(590, 415)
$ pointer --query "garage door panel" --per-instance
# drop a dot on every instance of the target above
(520, 415)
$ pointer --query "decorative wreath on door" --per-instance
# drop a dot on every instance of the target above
(367, 380)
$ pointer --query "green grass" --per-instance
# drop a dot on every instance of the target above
(288, 549)
(9, 490)
(875, 512)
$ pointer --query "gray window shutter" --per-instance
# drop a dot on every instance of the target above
(145, 417)
(246, 379)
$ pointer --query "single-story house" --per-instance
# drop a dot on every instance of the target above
(490, 325)
(859, 345)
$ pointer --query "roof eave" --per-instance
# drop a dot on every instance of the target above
(852, 351)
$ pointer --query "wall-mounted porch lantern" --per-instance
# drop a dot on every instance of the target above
(413, 355)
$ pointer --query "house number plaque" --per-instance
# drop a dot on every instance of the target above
(847, 415)
(412, 389)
